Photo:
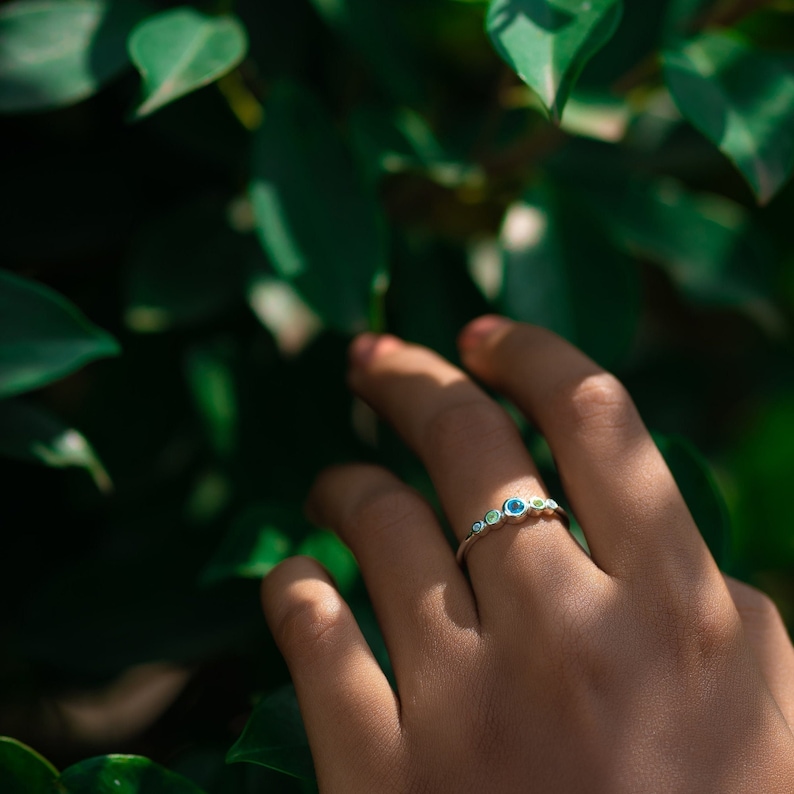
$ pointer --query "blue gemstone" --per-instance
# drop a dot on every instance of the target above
(515, 506)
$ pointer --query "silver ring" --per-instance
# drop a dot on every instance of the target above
(514, 511)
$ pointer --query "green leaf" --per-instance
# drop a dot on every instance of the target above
(548, 42)
(253, 545)
(742, 100)
(693, 476)
(327, 549)
(760, 465)
(704, 242)
(124, 774)
(57, 52)
(274, 736)
(562, 272)
(42, 336)
(28, 433)
(185, 266)
(180, 50)
(214, 392)
(321, 229)
(401, 140)
(23, 770)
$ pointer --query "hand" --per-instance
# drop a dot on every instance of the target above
(639, 669)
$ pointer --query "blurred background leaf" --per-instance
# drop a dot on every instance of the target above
(742, 99)
(56, 52)
(42, 336)
(181, 50)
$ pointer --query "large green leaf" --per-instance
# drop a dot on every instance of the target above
(548, 42)
(696, 482)
(28, 433)
(23, 770)
(321, 229)
(123, 774)
(562, 272)
(180, 50)
(57, 52)
(274, 736)
(707, 244)
(742, 99)
(42, 336)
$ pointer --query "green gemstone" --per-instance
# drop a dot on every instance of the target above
(537, 503)
(492, 517)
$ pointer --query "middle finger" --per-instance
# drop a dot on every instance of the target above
(476, 458)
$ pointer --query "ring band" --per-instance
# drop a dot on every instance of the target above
(514, 511)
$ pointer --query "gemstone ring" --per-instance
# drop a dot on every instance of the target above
(514, 511)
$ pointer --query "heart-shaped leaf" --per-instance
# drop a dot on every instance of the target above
(57, 52)
(180, 50)
(274, 737)
(742, 99)
(320, 227)
(28, 433)
(548, 42)
(23, 770)
(42, 336)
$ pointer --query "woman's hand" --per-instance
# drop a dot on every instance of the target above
(639, 669)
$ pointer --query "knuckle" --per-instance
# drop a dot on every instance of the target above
(477, 424)
(387, 509)
(704, 624)
(599, 402)
(758, 608)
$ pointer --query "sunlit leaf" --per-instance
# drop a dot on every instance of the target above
(57, 52)
(275, 737)
(319, 226)
(742, 99)
(23, 770)
(327, 549)
(180, 50)
(562, 272)
(28, 433)
(548, 42)
(124, 774)
(42, 336)
(254, 543)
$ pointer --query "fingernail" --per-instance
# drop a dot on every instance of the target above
(477, 331)
(365, 347)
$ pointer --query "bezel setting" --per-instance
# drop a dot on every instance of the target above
(515, 509)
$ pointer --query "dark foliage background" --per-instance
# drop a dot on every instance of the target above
(230, 190)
